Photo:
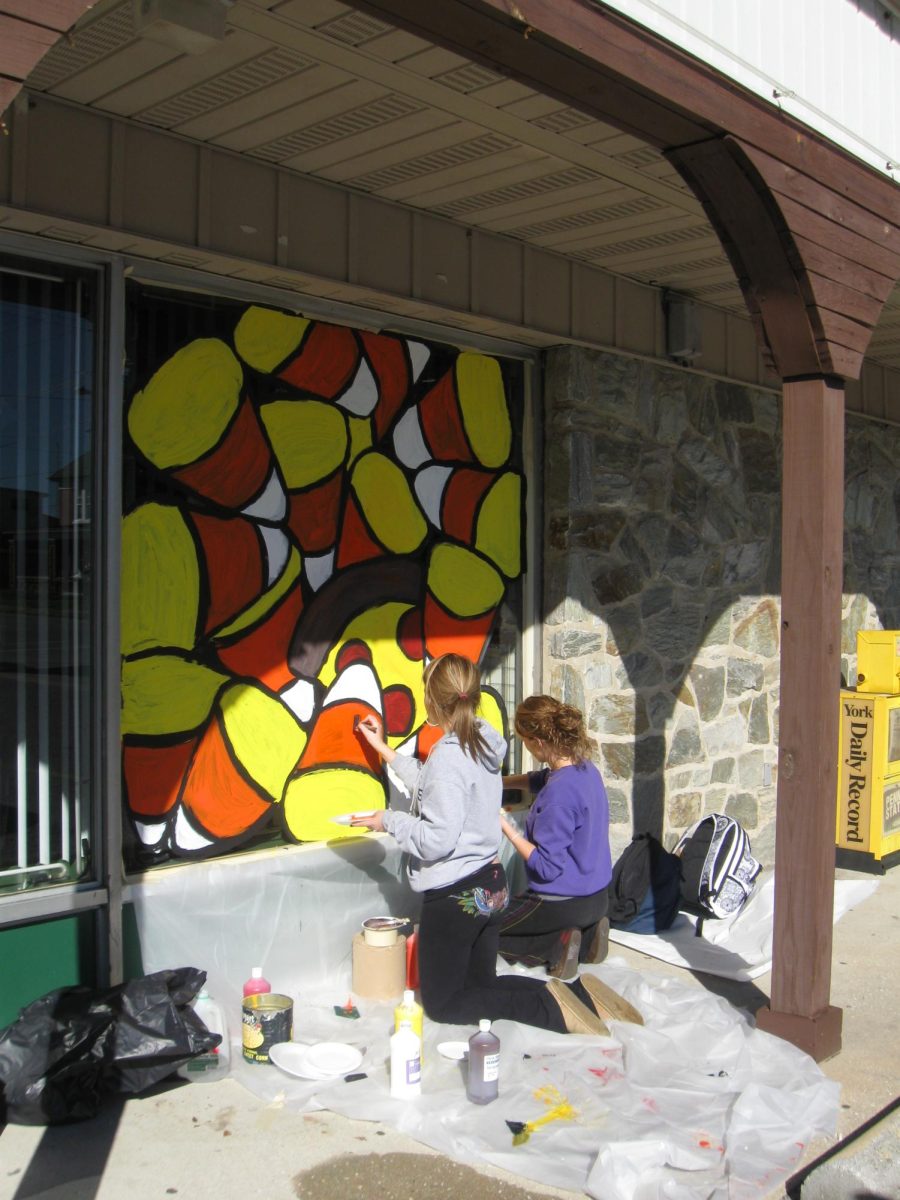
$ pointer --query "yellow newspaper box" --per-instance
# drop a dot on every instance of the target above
(878, 661)
(868, 808)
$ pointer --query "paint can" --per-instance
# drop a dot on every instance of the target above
(267, 1019)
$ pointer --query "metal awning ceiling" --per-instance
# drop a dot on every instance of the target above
(336, 94)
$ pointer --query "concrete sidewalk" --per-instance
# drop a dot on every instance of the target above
(218, 1140)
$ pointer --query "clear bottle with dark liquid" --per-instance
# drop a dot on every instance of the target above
(482, 1083)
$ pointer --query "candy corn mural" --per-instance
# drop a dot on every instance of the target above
(313, 513)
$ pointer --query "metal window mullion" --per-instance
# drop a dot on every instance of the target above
(107, 525)
(43, 583)
(20, 649)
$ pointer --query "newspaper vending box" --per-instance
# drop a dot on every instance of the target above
(868, 809)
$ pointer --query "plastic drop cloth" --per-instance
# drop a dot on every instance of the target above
(737, 947)
(697, 1103)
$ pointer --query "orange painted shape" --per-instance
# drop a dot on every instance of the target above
(391, 368)
(313, 514)
(234, 565)
(335, 743)
(446, 634)
(326, 363)
(442, 423)
(235, 471)
(262, 652)
(356, 544)
(428, 736)
(219, 799)
(459, 504)
(153, 776)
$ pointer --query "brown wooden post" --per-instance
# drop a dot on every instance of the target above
(811, 582)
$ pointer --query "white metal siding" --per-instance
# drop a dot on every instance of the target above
(833, 64)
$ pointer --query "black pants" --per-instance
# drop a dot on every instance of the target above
(459, 932)
(530, 928)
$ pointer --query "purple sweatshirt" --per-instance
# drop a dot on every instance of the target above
(569, 826)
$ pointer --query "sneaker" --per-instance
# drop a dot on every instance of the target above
(564, 964)
(599, 944)
(577, 1016)
(607, 1004)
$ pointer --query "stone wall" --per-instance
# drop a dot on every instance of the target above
(661, 574)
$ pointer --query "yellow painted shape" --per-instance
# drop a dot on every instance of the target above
(485, 414)
(160, 580)
(267, 600)
(164, 693)
(264, 338)
(489, 710)
(386, 499)
(465, 584)
(377, 627)
(498, 532)
(360, 436)
(309, 439)
(264, 735)
(185, 408)
(315, 797)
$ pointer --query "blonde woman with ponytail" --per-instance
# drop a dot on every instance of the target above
(452, 836)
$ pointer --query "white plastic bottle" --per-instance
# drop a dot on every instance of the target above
(406, 1063)
(482, 1083)
(410, 1013)
(216, 1063)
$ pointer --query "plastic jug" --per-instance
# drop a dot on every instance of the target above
(406, 1065)
(482, 1082)
(216, 1063)
(256, 984)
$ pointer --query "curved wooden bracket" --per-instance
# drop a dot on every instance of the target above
(813, 266)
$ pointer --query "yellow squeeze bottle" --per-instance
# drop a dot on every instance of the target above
(408, 1012)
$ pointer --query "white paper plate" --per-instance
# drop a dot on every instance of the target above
(333, 1058)
(294, 1059)
(346, 818)
(456, 1051)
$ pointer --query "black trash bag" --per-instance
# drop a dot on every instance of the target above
(74, 1045)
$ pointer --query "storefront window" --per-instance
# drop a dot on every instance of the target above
(47, 385)
(311, 512)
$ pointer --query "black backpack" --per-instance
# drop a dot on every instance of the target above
(645, 890)
(718, 871)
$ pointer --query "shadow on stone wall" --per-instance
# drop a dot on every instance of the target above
(662, 576)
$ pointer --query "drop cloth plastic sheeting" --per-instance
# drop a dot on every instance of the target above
(292, 910)
(739, 947)
(697, 1103)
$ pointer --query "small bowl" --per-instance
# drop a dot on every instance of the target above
(382, 931)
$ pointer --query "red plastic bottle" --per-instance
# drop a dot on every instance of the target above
(256, 984)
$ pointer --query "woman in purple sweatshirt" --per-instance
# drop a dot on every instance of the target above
(560, 920)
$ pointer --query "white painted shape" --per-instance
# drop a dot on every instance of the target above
(277, 549)
(271, 505)
(319, 568)
(300, 697)
(835, 65)
(408, 441)
(361, 396)
(150, 834)
(357, 682)
(429, 486)
(419, 355)
(186, 836)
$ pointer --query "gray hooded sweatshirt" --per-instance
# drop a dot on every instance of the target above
(453, 827)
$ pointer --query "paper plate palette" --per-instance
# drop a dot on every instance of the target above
(456, 1051)
(346, 818)
(323, 1060)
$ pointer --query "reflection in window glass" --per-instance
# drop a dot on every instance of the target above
(47, 332)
